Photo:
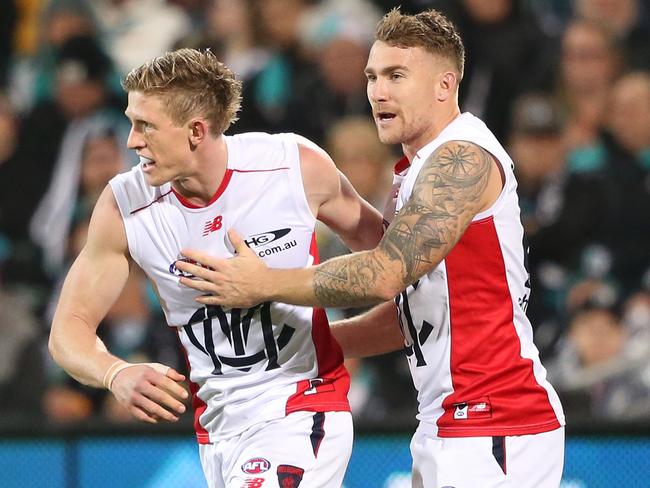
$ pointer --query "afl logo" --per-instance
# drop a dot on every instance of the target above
(255, 466)
(266, 237)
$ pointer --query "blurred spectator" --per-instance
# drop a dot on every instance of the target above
(600, 359)
(33, 78)
(286, 71)
(628, 21)
(588, 67)
(338, 39)
(195, 9)
(230, 33)
(538, 154)
(50, 144)
(589, 64)
(537, 151)
(630, 115)
(508, 53)
(135, 31)
(626, 157)
(75, 186)
(605, 217)
(355, 147)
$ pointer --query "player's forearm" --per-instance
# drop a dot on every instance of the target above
(347, 281)
(370, 334)
(356, 280)
(76, 348)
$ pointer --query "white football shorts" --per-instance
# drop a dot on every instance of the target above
(308, 449)
(525, 461)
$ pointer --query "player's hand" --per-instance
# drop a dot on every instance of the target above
(234, 282)
(149, 394)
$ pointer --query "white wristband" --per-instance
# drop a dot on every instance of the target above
(121, 365)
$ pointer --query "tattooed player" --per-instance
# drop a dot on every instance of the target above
(453, 259)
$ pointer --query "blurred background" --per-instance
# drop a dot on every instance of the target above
(565, 86)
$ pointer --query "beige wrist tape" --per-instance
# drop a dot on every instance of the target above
(120, 365)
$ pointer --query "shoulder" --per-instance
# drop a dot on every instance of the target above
(258, 150)
(311, 152)
(455, 167)
(320, 176)
(459, 158)
(459, 174)
(315, 163)
(106, 230)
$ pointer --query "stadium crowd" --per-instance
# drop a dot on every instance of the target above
(564, 84)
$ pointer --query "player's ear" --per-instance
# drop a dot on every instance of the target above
(198, 130)
(446, 85)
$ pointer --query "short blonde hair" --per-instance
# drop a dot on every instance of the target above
(429, 30)
(192, 83)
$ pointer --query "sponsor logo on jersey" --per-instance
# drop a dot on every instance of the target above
(177, 272)
(261, 240)
(265, 238)
(256, 466)
(275, 249)
(289, 476)
(213, 225)
(253, 483)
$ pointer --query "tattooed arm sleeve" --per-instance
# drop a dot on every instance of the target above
(449, 191)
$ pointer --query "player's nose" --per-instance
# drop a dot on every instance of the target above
(377, 91)
(135, 140)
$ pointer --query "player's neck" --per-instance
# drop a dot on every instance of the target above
(208, 170)
(438, 124)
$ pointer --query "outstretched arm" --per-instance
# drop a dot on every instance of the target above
(94, 282)
(455, 183)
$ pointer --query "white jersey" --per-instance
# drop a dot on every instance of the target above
(469, 343)
(246, 365)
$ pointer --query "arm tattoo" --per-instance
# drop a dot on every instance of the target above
(344, 282)
(446, 196)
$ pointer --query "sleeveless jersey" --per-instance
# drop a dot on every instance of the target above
(246, 365)
(469, 343)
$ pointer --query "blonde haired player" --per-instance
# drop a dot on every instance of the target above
(454, 261)
(267, 382)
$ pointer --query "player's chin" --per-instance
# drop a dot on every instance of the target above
(388, 136)
(155, 180)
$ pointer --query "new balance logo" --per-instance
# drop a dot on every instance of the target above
(213, 225)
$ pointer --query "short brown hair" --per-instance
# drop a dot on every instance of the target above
(191, 82)
(430, 30)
